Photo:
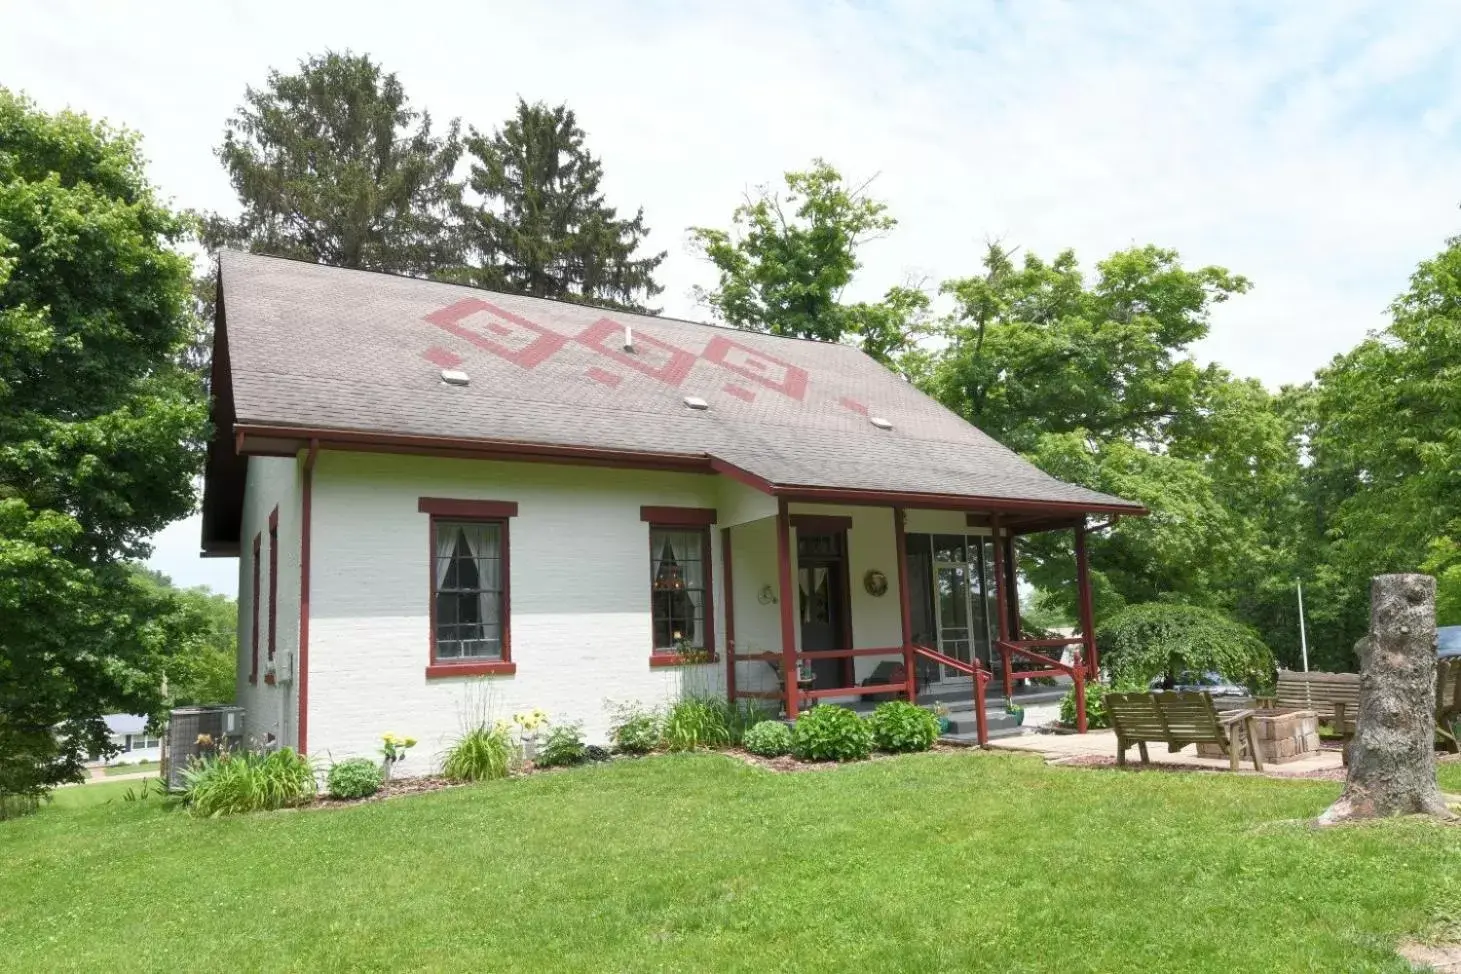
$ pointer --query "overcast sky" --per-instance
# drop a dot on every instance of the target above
(1310, 146)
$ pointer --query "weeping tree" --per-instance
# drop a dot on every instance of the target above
(1157, 639)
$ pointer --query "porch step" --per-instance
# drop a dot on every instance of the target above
(972, 737)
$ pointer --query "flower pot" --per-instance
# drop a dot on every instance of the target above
(943, 726)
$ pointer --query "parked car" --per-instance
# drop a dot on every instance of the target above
(1214, 683)
(1448, 642)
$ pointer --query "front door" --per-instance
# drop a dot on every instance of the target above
(825, 604)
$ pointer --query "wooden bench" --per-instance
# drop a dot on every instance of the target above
(1335, 697)
(1448, 703)
(1177, 719)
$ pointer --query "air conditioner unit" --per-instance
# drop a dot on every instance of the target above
(192, 731)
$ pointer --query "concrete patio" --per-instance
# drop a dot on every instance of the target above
(1082, 748)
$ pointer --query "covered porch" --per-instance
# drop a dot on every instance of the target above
(861, 600)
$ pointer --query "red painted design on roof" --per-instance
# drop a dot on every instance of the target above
(599, 375)
(766, 370)
(847, 402)
(525, 343)
(443, 357)
(740, 392)
(656, 359)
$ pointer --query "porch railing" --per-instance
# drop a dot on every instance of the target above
(1047, 666)
(981, 681)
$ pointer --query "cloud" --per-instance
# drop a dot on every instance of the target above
(1311, 146)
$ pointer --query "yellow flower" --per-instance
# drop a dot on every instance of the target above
(410, 742)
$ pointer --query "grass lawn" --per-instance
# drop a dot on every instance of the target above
(116, 769)
(939, 862)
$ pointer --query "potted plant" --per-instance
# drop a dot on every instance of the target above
(941, 714)
(1016, 711)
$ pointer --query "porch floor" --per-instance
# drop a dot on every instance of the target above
(1080, 748)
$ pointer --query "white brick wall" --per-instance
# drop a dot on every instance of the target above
(580, 626)
(270, 709)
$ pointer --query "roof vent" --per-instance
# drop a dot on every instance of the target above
(453, 377)
(880, 422)
(628, 339)
(695, 402)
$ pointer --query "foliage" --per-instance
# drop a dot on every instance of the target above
(564, 746)
(393, 746)
(482, 753)
(831, 733)
(331, 164)
(596, 752)
(635, 729)
(540, 225)
(233, 782)
(898, 725)
(1160, 639)
(354, 778)
(787, 259)
(694, 723)
(204, 650)
(100, 436)
(769, 738)
(1096, 714)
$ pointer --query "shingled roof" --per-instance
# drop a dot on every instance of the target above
(308, 348)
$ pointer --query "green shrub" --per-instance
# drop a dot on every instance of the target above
(635, 730)
(232, 782)
(1160, 639)
(697, 722)
(354, 778)
(481, 754)
(563, 747)
(595, 752)
(831, 733)
(898, 726)
(769, 738)
(1096, 716)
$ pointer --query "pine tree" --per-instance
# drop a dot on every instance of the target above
(331, 164)
(541, 226)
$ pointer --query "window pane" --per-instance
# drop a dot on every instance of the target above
(677, 588)
(468, 575)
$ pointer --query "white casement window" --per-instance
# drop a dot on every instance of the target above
(469, 583)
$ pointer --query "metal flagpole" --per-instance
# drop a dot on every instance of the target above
(1303, 637)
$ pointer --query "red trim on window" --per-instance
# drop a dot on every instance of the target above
(821, 523)
(678, 517)
(273, 583)
(254, 629)
(658, 660)
(452, 507)
(481, 668)
(666, 657)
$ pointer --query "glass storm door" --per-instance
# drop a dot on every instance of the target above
(951, 602)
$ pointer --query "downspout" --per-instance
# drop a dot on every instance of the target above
(306, 513)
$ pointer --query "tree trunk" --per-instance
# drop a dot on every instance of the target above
(1392, 763)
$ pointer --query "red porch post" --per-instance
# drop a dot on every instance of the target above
(904, 605)
(1087, 611)
(1001, 601)
(729, 603)
(788, 607)
(1012, 569)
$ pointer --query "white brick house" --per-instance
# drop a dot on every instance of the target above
(443, 499)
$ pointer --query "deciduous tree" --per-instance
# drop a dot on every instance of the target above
(101, 432)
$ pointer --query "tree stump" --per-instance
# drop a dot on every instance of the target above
(1392, 761)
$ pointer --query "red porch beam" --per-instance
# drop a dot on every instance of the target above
(1086, 607)
(1012, 569)
(729, 602)
(1001, 602)
(905, 606)
(788, 613)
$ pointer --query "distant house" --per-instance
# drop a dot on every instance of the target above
(129, 735)
(428, 485)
